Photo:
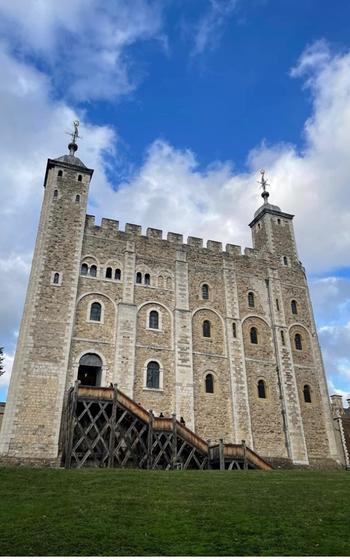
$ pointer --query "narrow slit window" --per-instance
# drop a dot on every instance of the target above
(117, 274)
(55, 193)
(108, 272)
(77, 198)
(234, 330)
(282, 339)
(277, 305)
(285, 261)
(294, 307)
(206, 329)
(152, 380)
(307, 393)
(261, 389)
(95, 311)
(80, 178)
(154, 320)
(147, 280)
(209, 383)
(93, 271)
(298, 342)
(56, 278)
(251, 302)
(254, 335)
(205, 291)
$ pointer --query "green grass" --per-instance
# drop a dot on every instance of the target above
(127, 512)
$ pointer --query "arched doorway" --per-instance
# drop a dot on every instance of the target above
(90, 370)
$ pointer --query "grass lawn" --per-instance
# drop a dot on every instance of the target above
(128, 512)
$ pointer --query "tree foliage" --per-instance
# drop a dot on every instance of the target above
(2, 358)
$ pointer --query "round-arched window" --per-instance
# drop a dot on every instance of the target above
(209, 383)
(153, 371)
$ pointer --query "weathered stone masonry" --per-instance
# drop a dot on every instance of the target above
(130, 276)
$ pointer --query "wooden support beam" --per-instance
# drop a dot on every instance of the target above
(221, 454)
(174, 442)
(112, 426)
(245, 463)
(150, 440)
(71, 423)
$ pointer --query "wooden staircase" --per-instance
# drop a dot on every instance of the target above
(103, 427)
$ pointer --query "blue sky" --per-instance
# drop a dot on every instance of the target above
(181, 102)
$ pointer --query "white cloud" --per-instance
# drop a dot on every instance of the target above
(83, 43)
(208, 29)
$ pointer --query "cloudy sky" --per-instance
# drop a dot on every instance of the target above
(181, 102)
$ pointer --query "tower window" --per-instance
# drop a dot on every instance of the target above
(285, 261)
(55, 193)
(277, 305)
(80, 178)
(60, 173)
(278, 221)
(307, 393)
(95, 311)
(77, 198)
(209, 383)
(56, 278)
(206, 329)
(108, 272)
(152, 380)
(254, 335)
(153, 320)
(84, 269)
(117, 274)
(282, 338)
(205, 291)
(93, 271)
(234, 330)
(294, 307)
(147, 280)
(298, 342)
(261, 389)
(138, 278)
(251, 299)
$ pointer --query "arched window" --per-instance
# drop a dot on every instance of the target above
(209, 383)
(298, 342)
(147, 280)
(80, 178)
(84, 269)
(282, 339)
(93, 270)
(108, 272)
(153, 320)
(261, 389)
(254, 335)
(55, 193)
(90, 369)
(77, 198)
(152, 381)
(251, 299)
(56, 278)
(205, 291)
(95, 311)
(117, 274)
(307, 393)
(60, 173)
(234, 330)
(138, 278)
(206, 329)
(294, 307)
(285, 261)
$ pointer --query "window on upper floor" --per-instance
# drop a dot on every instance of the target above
(109, 272)
(153, 320)
(56, 278)
(55, 194)
(251, 302)
(298, 342)
(209, 383)
(206, 329)
(261, 389)
(234, 330)
(294, 307)
(80, 178)
(84, 269)
(95, 311)
(205, 291)
(60, 173)
(138, 278)
(285, 261)
(307, 393)
(254, 335)
(77, 198)
(282, 339)
(117, 274)
(93, 270)
(277, 305)
(147, 280)
(153, 375)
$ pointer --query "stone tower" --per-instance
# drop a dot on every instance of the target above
(33, 412)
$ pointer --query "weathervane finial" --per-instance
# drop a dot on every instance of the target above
(73, 146)
(264, 184)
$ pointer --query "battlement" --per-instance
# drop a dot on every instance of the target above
(110, 228)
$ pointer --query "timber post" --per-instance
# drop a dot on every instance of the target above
(221, 454)
(150, 440)
(209, 457)
(245, 464)
(174, 442)
(112, 426)
(71, 424)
